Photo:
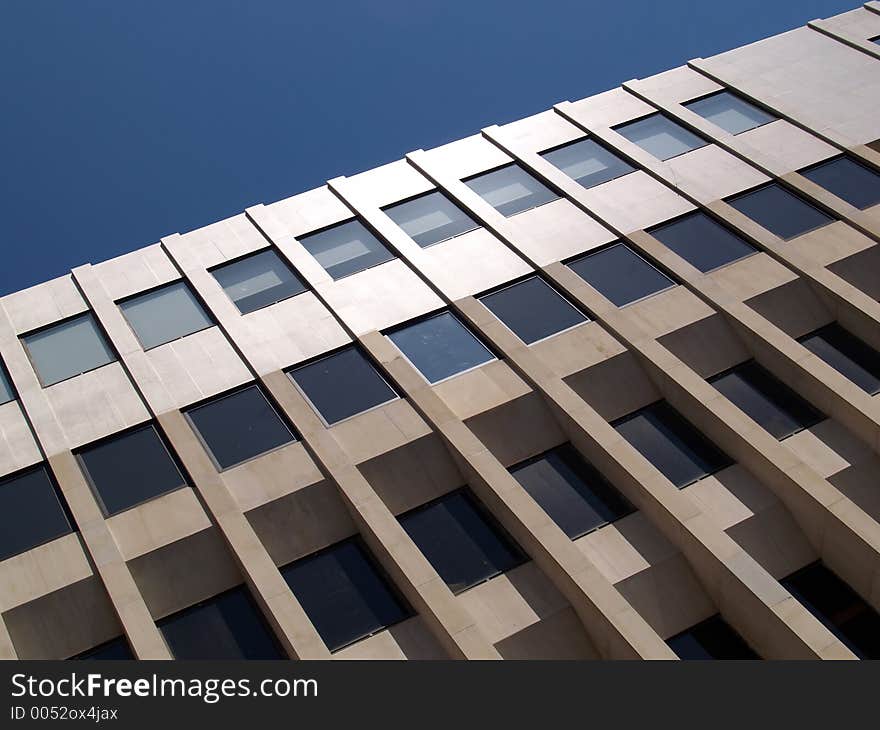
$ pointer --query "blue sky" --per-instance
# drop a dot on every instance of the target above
(126, 121)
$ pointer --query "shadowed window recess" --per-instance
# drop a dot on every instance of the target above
(843, 612)
(32, 512)
(533, 309)
(678, 450)
(68, 348)
(852, 181)
(165, 314)
(117, 649)
(847, 354)
(7, 392)
(658, 135)
(702, 241)
(440, 346)
(588, 162)
(571, 490)
(342, 385)
(711, 639)
(345, 594)
(779, 211)
(619, 274)
(510, 190)
(463, 543)
(130, 468)
(228, 626)
(346, 249)
(730, 112)
(239, 426)
(775, 406)
(258, 280)
(430, 219)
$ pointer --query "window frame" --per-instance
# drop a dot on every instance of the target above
(599, 143)
(192, 290)
(244, 257)
(735, 94)
(517, 164)
(777, 183)
(417, 196)
(848, 157)
(677, 123)
(326, 355)
(88, 313)
(431, 315)
(393, 253)
(859, 342)
(295, 438)
(78, 453)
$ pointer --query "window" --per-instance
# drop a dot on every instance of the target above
(838, 607)
(680, 452)
(876, 40)
(463, 544)
(239, 426)
(730, 112)
(228, 626)
(779, 211)
(575, 495)
(711, 639)
(587, 162)
(430, 219)
(258, 280)
(532, 309)
(847, 354)
(32, 512)
(346, 249)
(115, 649)
(7, 392)
(440, 346)
(344, 594)
(857, 184)
(131, 468)
(342, 385)
(510, 190)
(618, 273)
(66, 349)
(660, 136)
(702, 241)
(778, 409)
(165, 314)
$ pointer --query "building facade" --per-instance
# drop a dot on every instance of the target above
(598, 383)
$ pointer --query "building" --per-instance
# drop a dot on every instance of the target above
(601, 382)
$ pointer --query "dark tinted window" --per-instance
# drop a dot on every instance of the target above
(440, 346)
(344, 594)
(847, 354)
(430, 218)
(532, 309)
(31, 512)
(228, 626)
(511, 190)
(779, 211)
(702, 241)
(342, 385)
(671, 444)
(618, 273)
(7, 393)
(239, 426)
(571, 491)
(116, 649)
(711, 639)
(462, 543)
(660, 136)
(258, 281)
(346, 249)
(730, 112)
(765, 399)
(839, 607)
(587, 162)
(129, 469)
(165, 314)
(66, 349)
(852, 181)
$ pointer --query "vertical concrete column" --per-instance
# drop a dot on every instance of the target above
(143, 636)
(774, 621)
(288, 620)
